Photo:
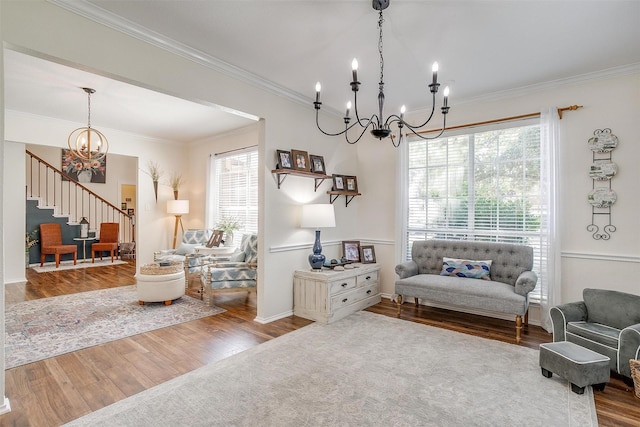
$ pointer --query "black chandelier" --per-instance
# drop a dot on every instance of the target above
(382, 128)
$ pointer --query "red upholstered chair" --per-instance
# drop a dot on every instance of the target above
(51, 244)
(108, 240)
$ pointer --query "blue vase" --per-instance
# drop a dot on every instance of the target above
(316, 259)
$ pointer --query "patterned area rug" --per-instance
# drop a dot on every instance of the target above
(364, 370)
(68, 265)
(48, 327)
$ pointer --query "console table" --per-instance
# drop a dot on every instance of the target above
(326, 296)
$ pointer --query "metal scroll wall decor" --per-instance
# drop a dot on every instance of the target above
(602, 170)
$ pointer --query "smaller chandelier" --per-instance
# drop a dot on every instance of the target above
(87, 143)
(381, 128)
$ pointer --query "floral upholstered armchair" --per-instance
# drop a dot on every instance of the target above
(237, 274)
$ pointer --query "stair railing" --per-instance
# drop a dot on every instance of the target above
(67, 197)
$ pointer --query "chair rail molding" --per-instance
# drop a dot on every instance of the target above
(601, 257)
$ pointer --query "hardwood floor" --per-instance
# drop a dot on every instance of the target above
(60, 389)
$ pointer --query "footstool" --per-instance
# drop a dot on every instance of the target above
(578, 365)
(156, 283)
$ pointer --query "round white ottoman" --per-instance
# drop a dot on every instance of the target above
(156, 285)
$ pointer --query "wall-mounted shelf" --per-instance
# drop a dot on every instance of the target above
(282, 174)
(348, 196)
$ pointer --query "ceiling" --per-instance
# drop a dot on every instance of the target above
(484, 48)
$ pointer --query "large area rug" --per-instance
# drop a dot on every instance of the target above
(68, 265)
(48, 327)
(364, 370)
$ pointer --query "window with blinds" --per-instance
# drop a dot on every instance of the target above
(234, 190)
(483, 185)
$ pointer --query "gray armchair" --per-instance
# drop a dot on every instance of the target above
(607, 322)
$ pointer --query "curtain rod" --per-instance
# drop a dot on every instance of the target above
(235, 149)
(504, 119)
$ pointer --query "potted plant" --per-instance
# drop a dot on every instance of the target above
(30, 242)
(228, 225)
(155, 173)
(176, 181)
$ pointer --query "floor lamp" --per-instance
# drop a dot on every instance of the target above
(177, 208)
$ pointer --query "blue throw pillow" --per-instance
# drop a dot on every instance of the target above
(466, 268)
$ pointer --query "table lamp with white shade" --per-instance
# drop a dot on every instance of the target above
(317, 216)
(177, 208)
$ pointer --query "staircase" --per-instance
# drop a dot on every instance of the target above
(54, 197)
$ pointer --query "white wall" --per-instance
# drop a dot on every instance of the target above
(154, 228)
(4, 405)
(41, 28)
(200, 153)
(613, 103)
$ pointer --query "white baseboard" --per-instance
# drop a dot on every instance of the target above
(265, 320)
(5, 407)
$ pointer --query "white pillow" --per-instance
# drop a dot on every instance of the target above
(186, 248)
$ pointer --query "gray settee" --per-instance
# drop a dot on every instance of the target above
(607, 322)
(505, 289)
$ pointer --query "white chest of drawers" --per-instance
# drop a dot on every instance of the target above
(328, 295)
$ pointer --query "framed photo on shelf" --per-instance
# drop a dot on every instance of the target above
(351, 250)
(338, 183)
(351, 183)
(300, 160)
(284, 159)
(317, 164)
(367, 254)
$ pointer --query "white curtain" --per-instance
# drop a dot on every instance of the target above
(550, 282)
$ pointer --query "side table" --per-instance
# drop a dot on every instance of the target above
(84, 246)
(326, 296)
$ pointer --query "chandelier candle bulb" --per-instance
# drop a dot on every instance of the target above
(354, 69)
(348, 109)
(378, 125)
(402, 111)
(446, 96)
(434, 68)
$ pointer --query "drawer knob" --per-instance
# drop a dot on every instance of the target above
(369, 292)
(344, 285)
(345, 300)
(368, 277)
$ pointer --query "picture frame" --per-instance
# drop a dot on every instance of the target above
(284, 159)
(351, 184)
(215, 239)
(338, 182)
(123, 206)
(317, 164)
(351, 250)
(130, 211)
(367, 254)
(300, 160)
(84, 172)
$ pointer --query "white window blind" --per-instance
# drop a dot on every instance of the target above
(483, 185)
(234, 189)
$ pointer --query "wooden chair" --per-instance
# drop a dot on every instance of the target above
(109, 236)
(51, 244)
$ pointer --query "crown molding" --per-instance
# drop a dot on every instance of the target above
(555, 84)
(101, 16)
(115, 22)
